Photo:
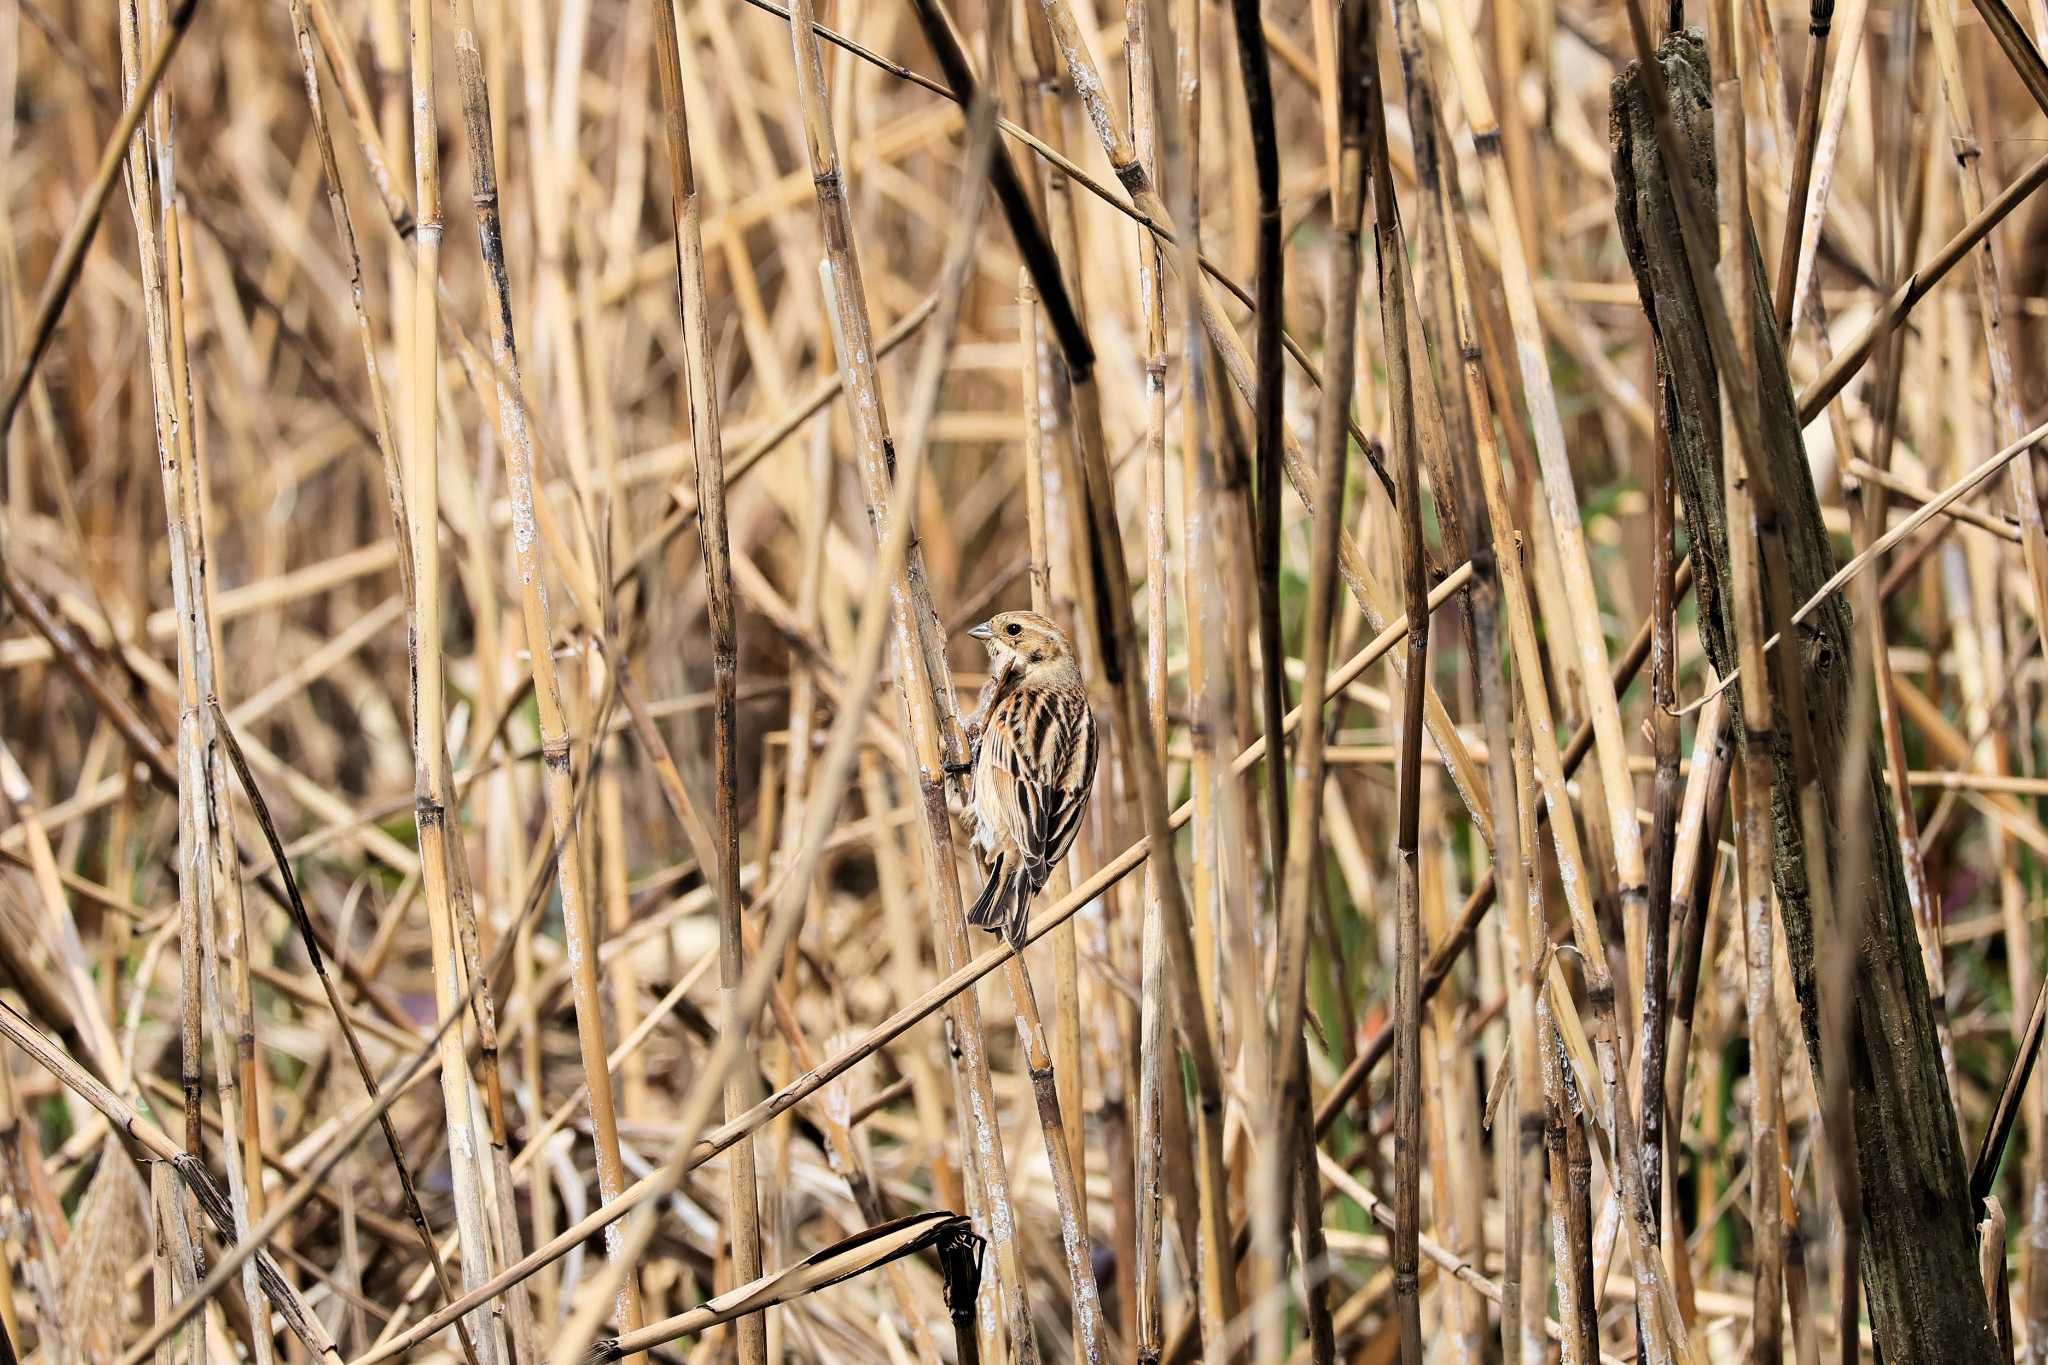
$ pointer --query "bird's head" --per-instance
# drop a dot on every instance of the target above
(1025, 641)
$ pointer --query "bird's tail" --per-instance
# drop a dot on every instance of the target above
(1004, 905)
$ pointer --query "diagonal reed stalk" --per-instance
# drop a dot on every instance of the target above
(923, 682)
(1590, 679)
(885, 586)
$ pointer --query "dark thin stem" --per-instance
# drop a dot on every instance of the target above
(1664, 799)
(1258, 94)
(302, 920)
(1819, 18)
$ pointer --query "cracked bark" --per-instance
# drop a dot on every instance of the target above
(1919, 1248)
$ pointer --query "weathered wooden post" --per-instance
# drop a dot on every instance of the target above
(1919, 1255)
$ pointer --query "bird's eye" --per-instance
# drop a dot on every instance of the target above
(1014, 628)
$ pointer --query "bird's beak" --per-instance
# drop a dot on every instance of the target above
(984, 631)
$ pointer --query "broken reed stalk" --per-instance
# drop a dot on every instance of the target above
(433, 785)
(923, 682)
(742, 1201)
(1918, 1256)
(1820, 17)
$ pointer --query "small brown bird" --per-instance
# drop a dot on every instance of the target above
(1034, 765)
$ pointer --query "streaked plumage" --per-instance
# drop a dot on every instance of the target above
(1034, 766)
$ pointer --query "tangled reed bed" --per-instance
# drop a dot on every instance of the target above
(482, 871)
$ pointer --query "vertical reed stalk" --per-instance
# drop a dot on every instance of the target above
(1048, 458)
(1522, 943)
(1155, 1056)
(742, 1202)
(1066, 965)
(1820, 17)
(1268, 398)
(1303, 842)
(1395, 315)
(211, 910)
(1106, 607)
(433, 785)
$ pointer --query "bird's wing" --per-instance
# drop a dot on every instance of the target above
(1036, 769)
(1003, 778)
(1075, 780)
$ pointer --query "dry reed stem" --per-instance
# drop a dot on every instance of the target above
(430, 749)
(742, 1200)
(1154, 1054)
(209, 873)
